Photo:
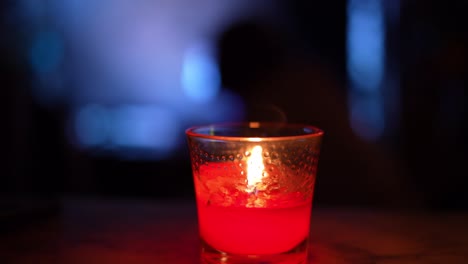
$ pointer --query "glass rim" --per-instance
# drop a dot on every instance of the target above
(316, 132)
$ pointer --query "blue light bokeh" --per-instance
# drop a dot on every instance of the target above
(201, 79)
(92, 125)
(132, 74)
(46, 52)
(366, 67)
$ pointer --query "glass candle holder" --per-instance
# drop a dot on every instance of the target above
(254, 184)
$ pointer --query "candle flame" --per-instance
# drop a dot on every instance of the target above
(255, 169)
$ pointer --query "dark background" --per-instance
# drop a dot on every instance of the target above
(299, 66)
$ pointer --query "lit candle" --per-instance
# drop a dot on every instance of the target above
(254, 185)
(243, 213)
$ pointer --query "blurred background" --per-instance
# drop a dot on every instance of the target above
(96, 95)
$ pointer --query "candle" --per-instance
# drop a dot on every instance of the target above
(254, 185)
(240, 213)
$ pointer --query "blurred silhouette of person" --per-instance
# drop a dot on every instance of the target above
(259, 63)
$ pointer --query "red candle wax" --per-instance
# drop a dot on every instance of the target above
(229, 224)
(253, 230)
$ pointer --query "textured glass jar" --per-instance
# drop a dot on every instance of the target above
(254, 185)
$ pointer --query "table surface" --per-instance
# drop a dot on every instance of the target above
(97, 231)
